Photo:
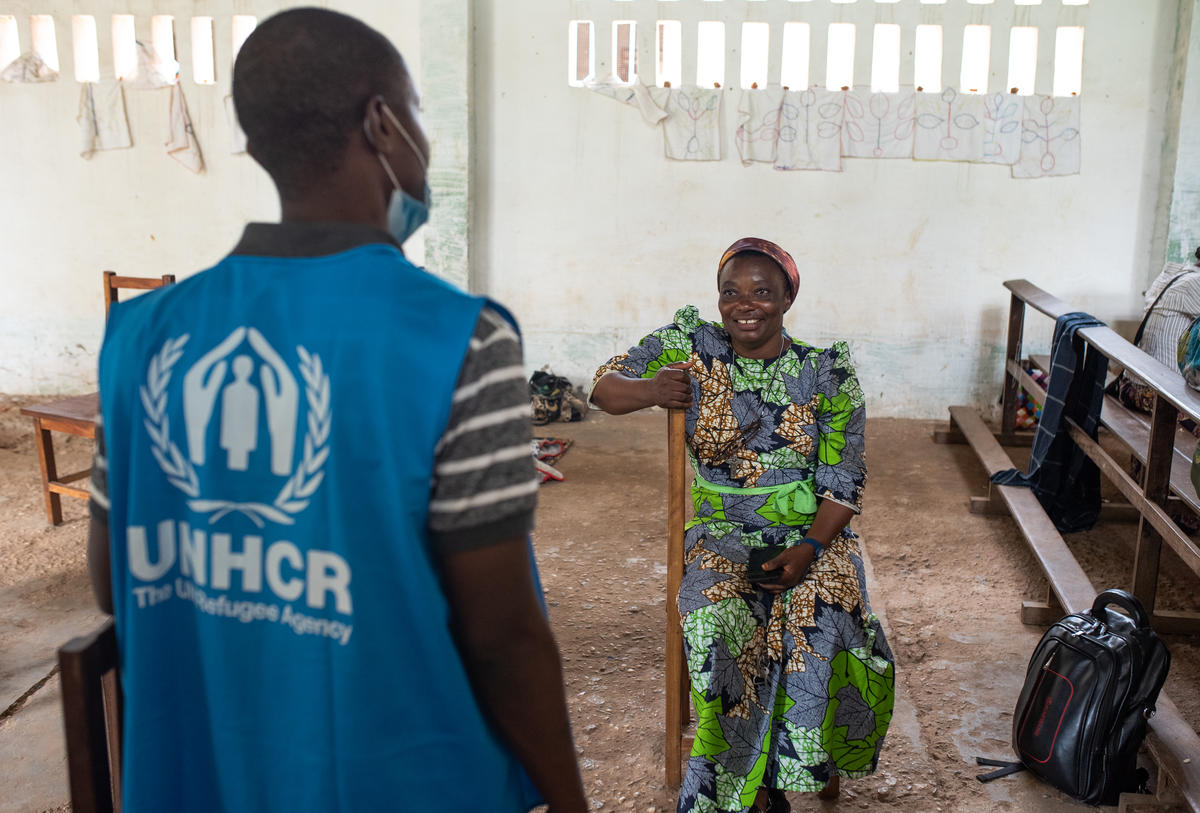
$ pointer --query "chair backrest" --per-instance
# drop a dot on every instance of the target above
(113, 283)
(91, 696)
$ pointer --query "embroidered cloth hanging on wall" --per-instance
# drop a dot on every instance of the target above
(181, 136)
(814, 129)
(878, 125)
(1049, 137)
(27, 68)
(690, 117)
(949, 126)
(103, 124)
(1001, 128)
(758, 125)
(810, 130)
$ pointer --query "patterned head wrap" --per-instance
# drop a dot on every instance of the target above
(766, 247)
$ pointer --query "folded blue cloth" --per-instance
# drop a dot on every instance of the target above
(1065, 480)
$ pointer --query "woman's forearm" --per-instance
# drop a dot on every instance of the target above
(831, 518)
(619, 394)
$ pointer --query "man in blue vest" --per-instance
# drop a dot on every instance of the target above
(313, 487)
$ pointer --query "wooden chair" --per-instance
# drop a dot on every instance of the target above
(77, 415)
(678, 683)
(91, 696)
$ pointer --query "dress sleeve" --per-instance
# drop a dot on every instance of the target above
(841, 454)
(667, 345)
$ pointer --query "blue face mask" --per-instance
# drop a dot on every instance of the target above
(406, 214)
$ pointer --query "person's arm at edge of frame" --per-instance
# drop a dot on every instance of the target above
(98, 563)
(98, 556)
(670, 388)
(513, 663)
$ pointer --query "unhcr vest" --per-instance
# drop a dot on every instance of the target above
(285, 646)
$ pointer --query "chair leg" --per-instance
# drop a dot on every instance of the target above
(45, 446)
(674, 726)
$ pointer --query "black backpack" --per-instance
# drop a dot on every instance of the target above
(1089, 694)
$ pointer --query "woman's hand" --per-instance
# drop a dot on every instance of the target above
(671, 387)
(791, 567)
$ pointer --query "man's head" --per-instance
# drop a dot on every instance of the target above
(312, 89)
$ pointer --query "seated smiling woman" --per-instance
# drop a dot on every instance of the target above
(792, 679)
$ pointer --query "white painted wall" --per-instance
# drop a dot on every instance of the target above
(588, 233)
(136, 211)
(594, 238)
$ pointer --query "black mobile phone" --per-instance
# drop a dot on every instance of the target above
(759, 557)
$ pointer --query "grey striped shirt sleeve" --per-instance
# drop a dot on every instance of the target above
(484, 484)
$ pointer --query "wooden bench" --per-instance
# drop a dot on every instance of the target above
(1172, 743)
(1132, 428)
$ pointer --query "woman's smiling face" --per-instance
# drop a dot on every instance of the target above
(752, 296)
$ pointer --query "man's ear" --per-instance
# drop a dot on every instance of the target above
(374, 127)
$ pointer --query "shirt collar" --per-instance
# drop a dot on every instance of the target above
(303, 239)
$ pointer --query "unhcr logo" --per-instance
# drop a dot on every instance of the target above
(233, 384)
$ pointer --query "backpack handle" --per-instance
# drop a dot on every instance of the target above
(1124, 599)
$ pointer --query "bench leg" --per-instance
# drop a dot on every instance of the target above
(949, 434)
(45, 446)
(991, 504)
(1145, 565)
(1042, 613)
(1157, 488)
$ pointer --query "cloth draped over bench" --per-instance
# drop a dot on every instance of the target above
(1065, 480)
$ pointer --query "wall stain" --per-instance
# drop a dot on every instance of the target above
(915, 237)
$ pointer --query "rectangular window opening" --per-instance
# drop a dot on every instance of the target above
(885, 59)
(204, 69)
(581, 65)
(43, 40)
(756, 51)
(243, 27)
(976, 58)
(10, 40)
(580, 62)
(839, 65)
(927, 61)
(1068, 61)
(85, 47)
(668, 63)
(793, 69)
(124, 44)
(624, 56)
(710, 54)
(1022, 59)
(162, 39)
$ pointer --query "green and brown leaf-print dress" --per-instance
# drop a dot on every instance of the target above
(789, 690)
